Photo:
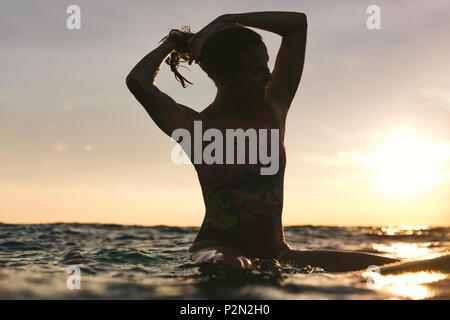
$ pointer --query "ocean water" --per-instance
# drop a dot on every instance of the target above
(137, 262)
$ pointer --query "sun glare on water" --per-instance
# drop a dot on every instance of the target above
(408, 284)
(407, 251)
(406, 165)
(414, 285)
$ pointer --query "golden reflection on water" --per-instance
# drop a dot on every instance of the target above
(407, 251)
(402, 230)
(404, 250)
(407, 285)
(410, 285)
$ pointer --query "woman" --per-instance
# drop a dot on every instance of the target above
(243, 207)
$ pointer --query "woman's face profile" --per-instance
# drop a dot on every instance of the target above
(253, 77)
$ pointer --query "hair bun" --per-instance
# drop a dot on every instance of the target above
(180, 38)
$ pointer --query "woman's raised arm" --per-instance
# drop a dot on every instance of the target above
(282, 23)
(146, 70)
(165, 112)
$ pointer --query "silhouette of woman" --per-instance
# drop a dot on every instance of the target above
(243, 207)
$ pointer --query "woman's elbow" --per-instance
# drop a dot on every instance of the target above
(131, 82)
(302, 20)
(137, 84)
(134, 84)
(140, 89)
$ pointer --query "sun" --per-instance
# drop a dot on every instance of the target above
(406, 165)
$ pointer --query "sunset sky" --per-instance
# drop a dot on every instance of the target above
(367, 136)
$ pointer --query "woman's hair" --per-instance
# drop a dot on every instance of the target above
(221, 54)
(180, 38)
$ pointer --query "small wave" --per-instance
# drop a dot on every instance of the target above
(127, 257)
(16, 245)
(133, 237)
(74, 257)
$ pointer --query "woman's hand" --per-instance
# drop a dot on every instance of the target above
(196, 42)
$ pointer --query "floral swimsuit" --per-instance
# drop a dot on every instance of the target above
(243, 207)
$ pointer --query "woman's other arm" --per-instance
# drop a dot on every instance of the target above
(334, 261)
(292, 27)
